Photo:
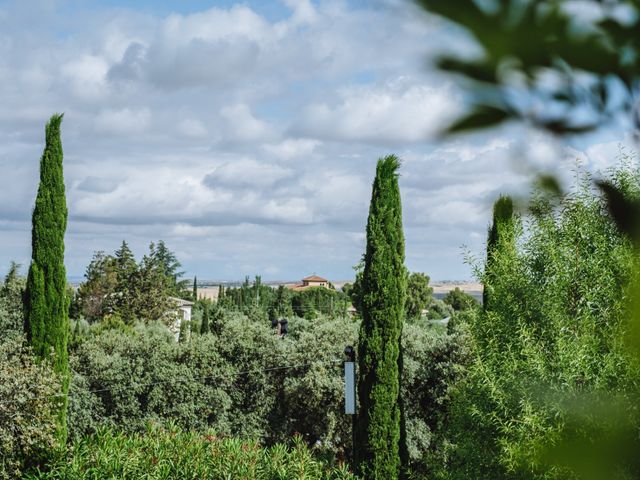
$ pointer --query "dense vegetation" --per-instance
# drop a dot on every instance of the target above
(160, 453)
(551, 338)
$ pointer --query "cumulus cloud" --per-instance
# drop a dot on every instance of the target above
(399, 111)
(124, 121)
(246, 173)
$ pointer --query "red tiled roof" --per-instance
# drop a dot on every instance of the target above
(314, 278)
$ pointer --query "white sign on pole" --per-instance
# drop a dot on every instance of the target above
(350, 388)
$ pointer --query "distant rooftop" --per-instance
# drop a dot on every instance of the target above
(314, 278)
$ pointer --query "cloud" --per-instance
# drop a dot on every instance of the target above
(242, 126)
(124, 121)
(246, 173)
(292, 148)
(399, 111)
(98, 185)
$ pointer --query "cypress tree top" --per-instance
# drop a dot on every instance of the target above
(501, 227)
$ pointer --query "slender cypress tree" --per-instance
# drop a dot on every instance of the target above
(195, 289)
(378, 427)
(46, 301)
(501, 228)
(204, 328)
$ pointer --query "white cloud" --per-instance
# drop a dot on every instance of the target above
(246, 173)
(400, 111)
(242, 126)
(87, 76)
(291, 148)
(124, 121)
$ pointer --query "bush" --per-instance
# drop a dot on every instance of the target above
(11, 309)
(29, 403)
(553, 334)
(226, 382)
(171, 453)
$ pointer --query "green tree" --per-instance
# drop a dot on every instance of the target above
(170, 268)
(418, 295)
(378, 430)
(195, 289)
(501, 235)
(151, 289)
(126, 272)
(46, 302)
(204, 326)
(460, 300)
(96, 292)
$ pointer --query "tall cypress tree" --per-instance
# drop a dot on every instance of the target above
(46, 302)
(377, 432)
(204, 327)
(195, 289)
(501, 229)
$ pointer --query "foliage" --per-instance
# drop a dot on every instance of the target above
(547, 63)
(118, 285)
(378, 430)
(553, 337)
(171, 453)
(30, 402)
(11, 308)
(459, 300)
(46, 302)
(434, 363)
(418, 295)
(313, 301)
(501, 235)
(438, 310)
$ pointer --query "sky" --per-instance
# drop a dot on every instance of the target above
(245, 134)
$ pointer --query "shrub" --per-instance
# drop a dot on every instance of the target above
(171, 453)
(553, 334)
(29, 402)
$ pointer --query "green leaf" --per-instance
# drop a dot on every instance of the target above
(483, 116)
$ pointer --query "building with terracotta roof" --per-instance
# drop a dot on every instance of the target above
(310, 282)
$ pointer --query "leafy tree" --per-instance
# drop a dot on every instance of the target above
(377, 435)
(170, 268)
(438, 309)
(121, 301)
(460, 300)
(418, 295)
(314, 301)
(282, 304)
(101, 282)
(46, 302)
(550, 347)
(151, 290)
(355, 291)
